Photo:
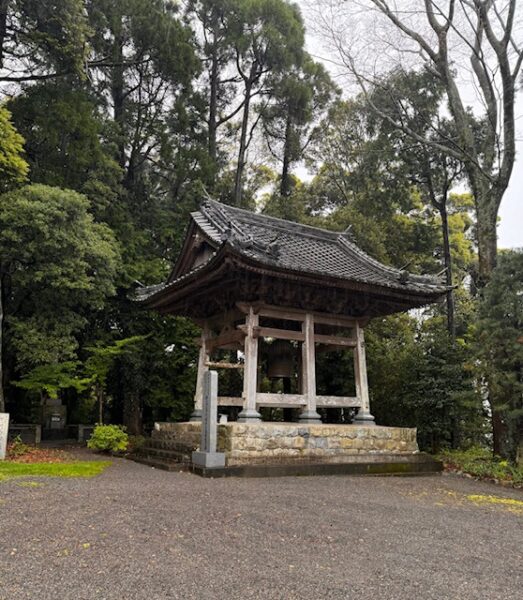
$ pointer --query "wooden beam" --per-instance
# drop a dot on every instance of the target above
(281, 400)
(337, 321)
(272, 332)
(333, 340)
(338, 402)
(299, 400)
(230, 401)
(231, 337)
(289, 334)
(296, 314)
(224, 365)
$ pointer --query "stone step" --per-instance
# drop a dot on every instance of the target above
(169, 455)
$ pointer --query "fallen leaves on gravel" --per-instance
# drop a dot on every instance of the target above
(41, 455)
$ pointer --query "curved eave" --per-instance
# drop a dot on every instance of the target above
(163, 295)
(168, 294)
(420, 297)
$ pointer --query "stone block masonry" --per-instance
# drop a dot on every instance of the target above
(276, 443)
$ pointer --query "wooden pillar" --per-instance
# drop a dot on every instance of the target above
(364, 416)
(203, 359)
(249, 414)
(309, 413)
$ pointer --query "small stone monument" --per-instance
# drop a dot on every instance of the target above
(4, 428)
(207, 456)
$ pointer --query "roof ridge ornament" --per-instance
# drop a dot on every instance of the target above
(274, 246)
(348, 233)
(404, 276)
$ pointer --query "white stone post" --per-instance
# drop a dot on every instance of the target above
(4, 430)
(309, 413)
(364, 416)
(207, 455)
(203, 359)
(249, 414)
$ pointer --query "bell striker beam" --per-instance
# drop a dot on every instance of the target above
(203, 359)
(309, 413)
(364, 416)
(249, 414)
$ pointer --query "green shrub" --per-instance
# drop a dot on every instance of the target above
(109, 438)
(479, 462)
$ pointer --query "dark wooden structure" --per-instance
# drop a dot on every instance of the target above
(243, 276)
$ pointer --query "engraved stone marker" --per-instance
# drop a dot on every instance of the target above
(4, 428)
(207, 455)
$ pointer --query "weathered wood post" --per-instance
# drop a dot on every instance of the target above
(364, 416)
(309, 413)
(207, 455)
(249, 414)
(4, 430)
(203, 359)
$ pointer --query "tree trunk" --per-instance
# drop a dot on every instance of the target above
(243, 141)
(132, 413)
(498, 432)
(2, 398)
(213, 100)
(4, 8)
(100, 394)
(285, 184)
(447, 258)
(117, 91)
(487, 238)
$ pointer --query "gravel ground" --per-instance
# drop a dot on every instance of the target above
(136, 532)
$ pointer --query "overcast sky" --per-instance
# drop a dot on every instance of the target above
(510, 229)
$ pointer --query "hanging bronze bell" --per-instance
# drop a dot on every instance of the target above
(280, 361)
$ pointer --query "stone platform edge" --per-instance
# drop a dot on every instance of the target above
(392, 465)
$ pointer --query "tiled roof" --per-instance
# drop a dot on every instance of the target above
(298, 248)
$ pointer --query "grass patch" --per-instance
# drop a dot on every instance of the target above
(480, 463)
(8, 470)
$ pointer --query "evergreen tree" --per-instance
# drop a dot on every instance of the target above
(56, 263)
(500, 347)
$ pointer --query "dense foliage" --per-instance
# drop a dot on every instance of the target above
(119, 116)
(500, 349)
(108, 438)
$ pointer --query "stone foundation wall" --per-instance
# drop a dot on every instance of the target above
(182, 437)
(252, 443)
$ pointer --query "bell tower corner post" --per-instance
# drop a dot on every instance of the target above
(364, 416)
(203, 359)
(309, 414)
(249, 413)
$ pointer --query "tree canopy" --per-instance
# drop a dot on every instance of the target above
(119, 116)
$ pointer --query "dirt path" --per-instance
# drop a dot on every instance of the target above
(137, 533)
